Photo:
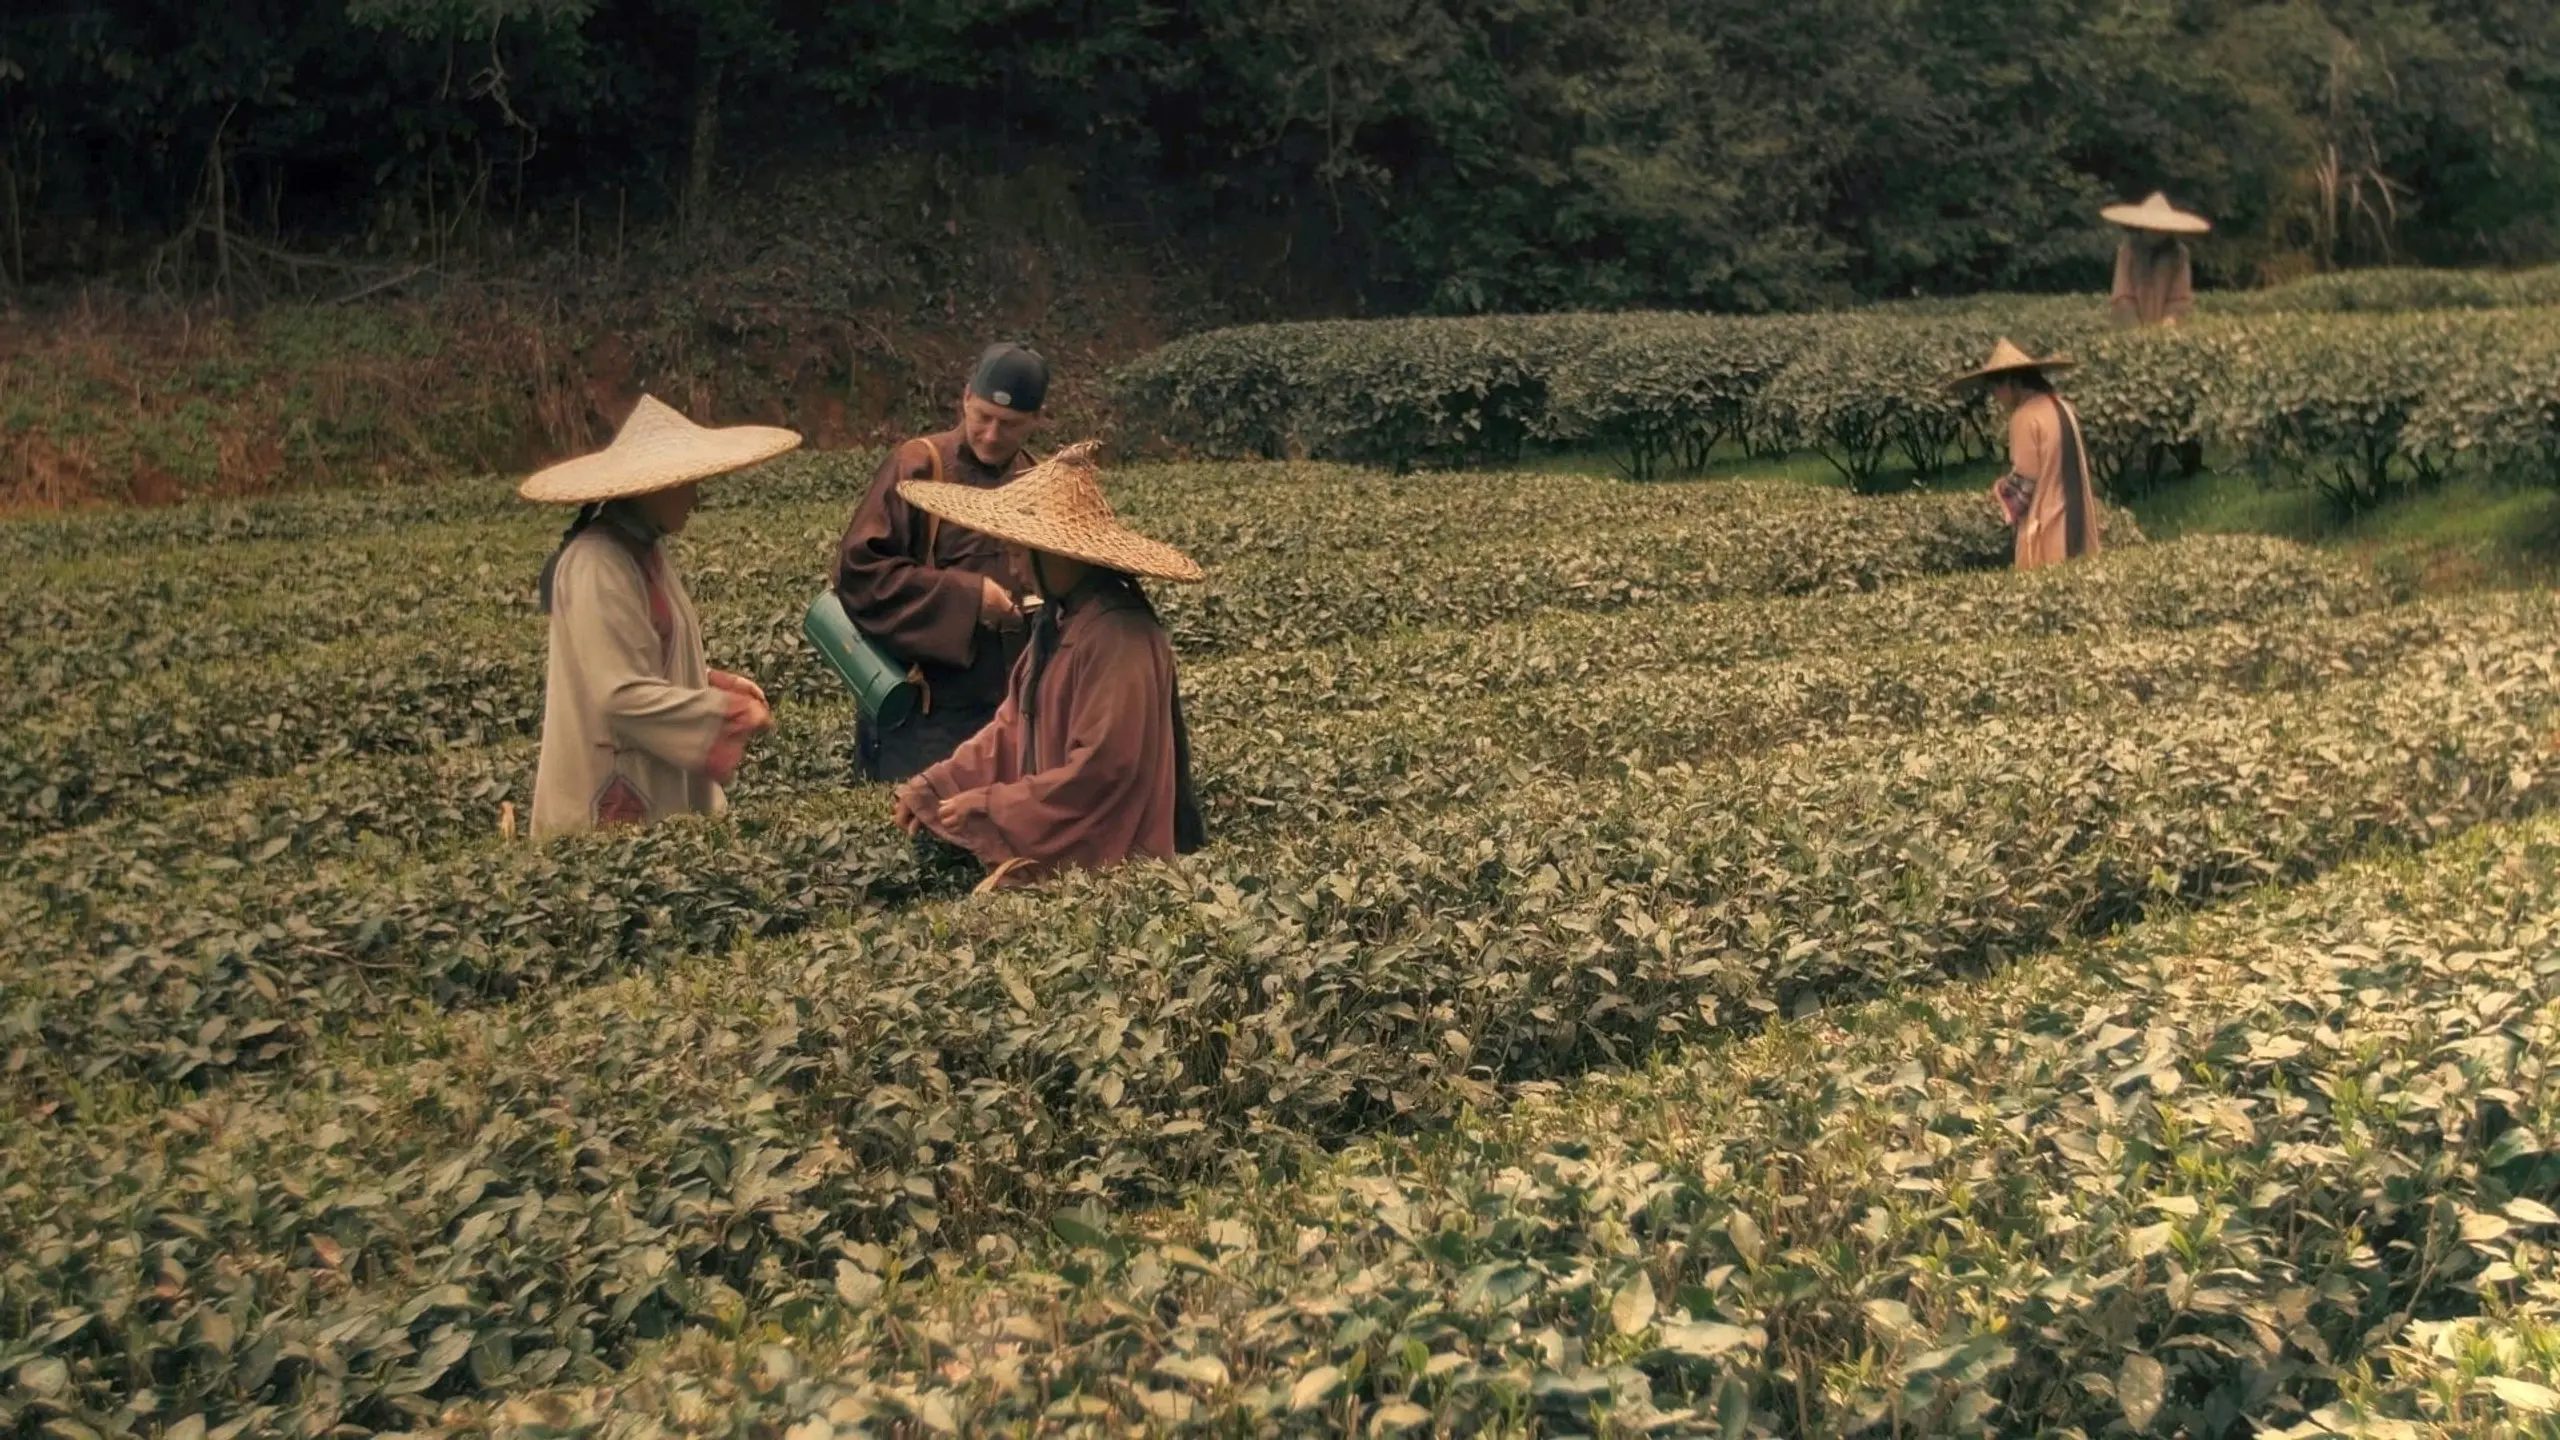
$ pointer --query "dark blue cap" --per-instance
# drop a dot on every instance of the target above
(1012, 376)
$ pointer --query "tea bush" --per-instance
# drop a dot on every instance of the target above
(269, 700)
(331, 1108)
(2207, 1172)
(954, 1071)
(179, 978)
(2355, 404)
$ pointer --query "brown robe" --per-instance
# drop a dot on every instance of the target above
(2152, 286)
(926, 612)
(2045, 446)
(1082, 765)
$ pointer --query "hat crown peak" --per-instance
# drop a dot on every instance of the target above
(652, 417)
(1066, 485)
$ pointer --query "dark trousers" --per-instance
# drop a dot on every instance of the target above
(923, 742)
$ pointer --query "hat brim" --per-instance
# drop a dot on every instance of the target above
(620, 472)
(2165, 222)
(1994, 372)
(991, 513)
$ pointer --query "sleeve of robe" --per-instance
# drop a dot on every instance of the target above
(2121, 301)
(1123, 700)
(2181, 301)
(916, 610)
(985, 757)
(602, 606)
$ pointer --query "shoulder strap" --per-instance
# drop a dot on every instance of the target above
(932, 522)
(2079, 527)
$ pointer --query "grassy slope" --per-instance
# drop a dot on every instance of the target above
(2472, 531)
(2469, 532)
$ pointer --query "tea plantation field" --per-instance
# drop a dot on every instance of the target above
(1690, 957)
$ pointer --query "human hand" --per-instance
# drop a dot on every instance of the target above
(747, 716)
(996, 607)
(960, 809)
(738, 685)
(906, 810)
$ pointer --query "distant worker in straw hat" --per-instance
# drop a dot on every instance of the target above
(2155, 276)
(938, 597)
(2046, 493)
(635, 726)
(2155, 286)
(1087, 762)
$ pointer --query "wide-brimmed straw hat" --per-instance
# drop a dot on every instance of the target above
(1055, 506)
(656, 449)
(2007, 358)
(2158, 214)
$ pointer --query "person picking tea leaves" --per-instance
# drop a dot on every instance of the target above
(635, 725)
(1087, 762)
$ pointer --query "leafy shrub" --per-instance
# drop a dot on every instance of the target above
(2506, 408)
(2397, 290)
(330, 1108)
(1390, 392)
(2093, 1193)
(627, 1162)
(469, 672)
(236, 976)
(2326, 398)
(1664, 391)
(2333, 400)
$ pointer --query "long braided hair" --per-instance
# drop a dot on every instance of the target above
(587, 515)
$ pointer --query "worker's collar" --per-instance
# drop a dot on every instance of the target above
(626, 517)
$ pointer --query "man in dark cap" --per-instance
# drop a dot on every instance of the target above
(937, 595)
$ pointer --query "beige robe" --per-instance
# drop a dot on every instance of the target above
(2153, 286)
(629, 717)
(2045, 446)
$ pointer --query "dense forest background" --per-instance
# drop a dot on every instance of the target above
(271, 243)
(1445, 155)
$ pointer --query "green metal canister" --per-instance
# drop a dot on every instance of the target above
(879, 683)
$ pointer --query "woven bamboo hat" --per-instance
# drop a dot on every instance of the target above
(656, 449)
(2007, 358)
(2157, 214)
(1055, 506)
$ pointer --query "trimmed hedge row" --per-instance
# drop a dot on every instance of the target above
(259, 834)
(516, 1200)
(179, 970)
(470, 675)
(2288, 1166)
(2352, 403)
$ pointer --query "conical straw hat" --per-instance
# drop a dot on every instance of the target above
(2158, 214)
(2006, 357)
(656, 449)
(1055, 506)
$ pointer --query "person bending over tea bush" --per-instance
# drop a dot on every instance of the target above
(1087, 762)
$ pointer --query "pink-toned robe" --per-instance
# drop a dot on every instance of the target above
(2045, 446)
(2154, 285)
(1097, 782)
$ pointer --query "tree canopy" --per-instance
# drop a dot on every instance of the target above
(1454, 155)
